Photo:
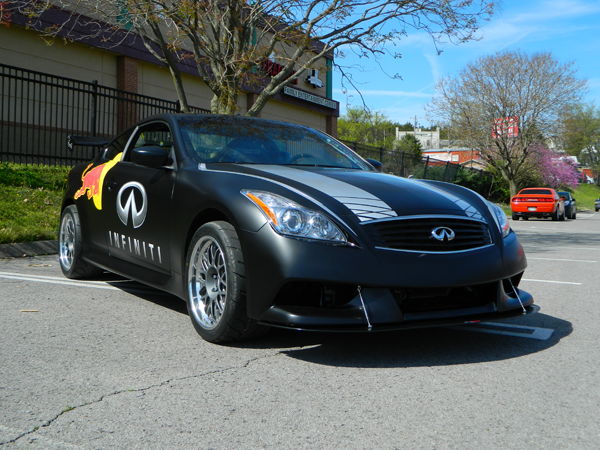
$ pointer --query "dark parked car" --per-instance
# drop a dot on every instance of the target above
(597, 205)
(257, 223)
(570, 204)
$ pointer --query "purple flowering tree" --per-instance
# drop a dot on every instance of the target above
(555, 169)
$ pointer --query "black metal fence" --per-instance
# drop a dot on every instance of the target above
(38, 111)
(404, 164)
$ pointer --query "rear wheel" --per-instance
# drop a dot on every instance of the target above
(70, 247)
(216, 286)
(515, 217)
(562, 216)
(556, 215)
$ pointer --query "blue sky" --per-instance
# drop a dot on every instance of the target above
(569, 29)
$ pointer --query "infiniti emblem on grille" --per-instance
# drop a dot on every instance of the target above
(442, 234)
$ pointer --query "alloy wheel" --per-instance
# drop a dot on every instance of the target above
(208, 282)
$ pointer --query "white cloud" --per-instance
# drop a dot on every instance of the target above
(434, 62)
(555, 9)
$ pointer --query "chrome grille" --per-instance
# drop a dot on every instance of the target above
(415, 234)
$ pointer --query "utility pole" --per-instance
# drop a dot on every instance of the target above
(415, 129)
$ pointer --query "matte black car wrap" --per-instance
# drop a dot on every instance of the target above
(257, 223)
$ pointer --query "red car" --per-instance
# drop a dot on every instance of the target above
(537, 202)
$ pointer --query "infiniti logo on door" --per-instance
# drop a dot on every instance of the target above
(442, 234)
(130, 208)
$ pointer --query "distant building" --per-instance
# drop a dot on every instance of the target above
(462, 156)
(428, 139)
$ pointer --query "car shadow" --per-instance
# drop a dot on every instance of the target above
(145, 292)
(413, 348)
(390, 349)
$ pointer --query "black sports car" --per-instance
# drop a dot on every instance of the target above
(257, 223)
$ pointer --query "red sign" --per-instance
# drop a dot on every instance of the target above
(507, 127)
(4, 14)
(272, 69)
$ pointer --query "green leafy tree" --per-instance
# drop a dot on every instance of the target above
(410, 145)
(366, 127)
(580, 133)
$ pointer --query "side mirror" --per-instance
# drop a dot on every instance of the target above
(152, 156)
(376, 164)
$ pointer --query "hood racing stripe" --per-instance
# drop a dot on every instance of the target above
(362, 203)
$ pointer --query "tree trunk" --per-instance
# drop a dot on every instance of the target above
(514, 189)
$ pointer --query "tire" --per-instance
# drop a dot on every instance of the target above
(70, 247)
(215, 261)
(515, 217)
(563, 216)
(525, 218)
(556, 216)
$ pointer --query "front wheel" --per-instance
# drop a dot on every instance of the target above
(70, 247)
(216, 285)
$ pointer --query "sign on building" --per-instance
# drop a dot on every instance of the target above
(506, 127)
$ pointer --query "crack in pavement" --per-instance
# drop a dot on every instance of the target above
(147, 388)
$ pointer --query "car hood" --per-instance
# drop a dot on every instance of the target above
(371, 195)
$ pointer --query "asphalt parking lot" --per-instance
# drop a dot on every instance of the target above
(111, 363)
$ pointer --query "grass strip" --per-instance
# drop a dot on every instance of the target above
(30, 198)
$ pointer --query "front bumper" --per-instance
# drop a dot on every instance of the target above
(306, 285)
(382, 312)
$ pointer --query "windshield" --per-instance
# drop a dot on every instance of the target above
(236, 140)
(535, 192)
(564, 194)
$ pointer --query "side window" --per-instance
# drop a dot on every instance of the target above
(155, 134)
(117, 145)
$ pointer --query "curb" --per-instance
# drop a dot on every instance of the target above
(28, 249)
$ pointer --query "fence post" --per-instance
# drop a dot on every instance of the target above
(94, 106)
(425, 169)
(445, 171)
(402, 173)
(381, 155)
(356, 146)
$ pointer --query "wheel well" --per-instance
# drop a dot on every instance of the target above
(67, 202)
(208, 215)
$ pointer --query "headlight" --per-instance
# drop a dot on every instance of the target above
(290, 219)
(500, 217)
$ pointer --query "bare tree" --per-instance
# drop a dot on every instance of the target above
(230, 40)
(496, 93)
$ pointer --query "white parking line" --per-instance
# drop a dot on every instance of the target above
(570, 260)
(541, 334)
(549, 281)
(562, 248)
(55, 280)
(87, 284)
